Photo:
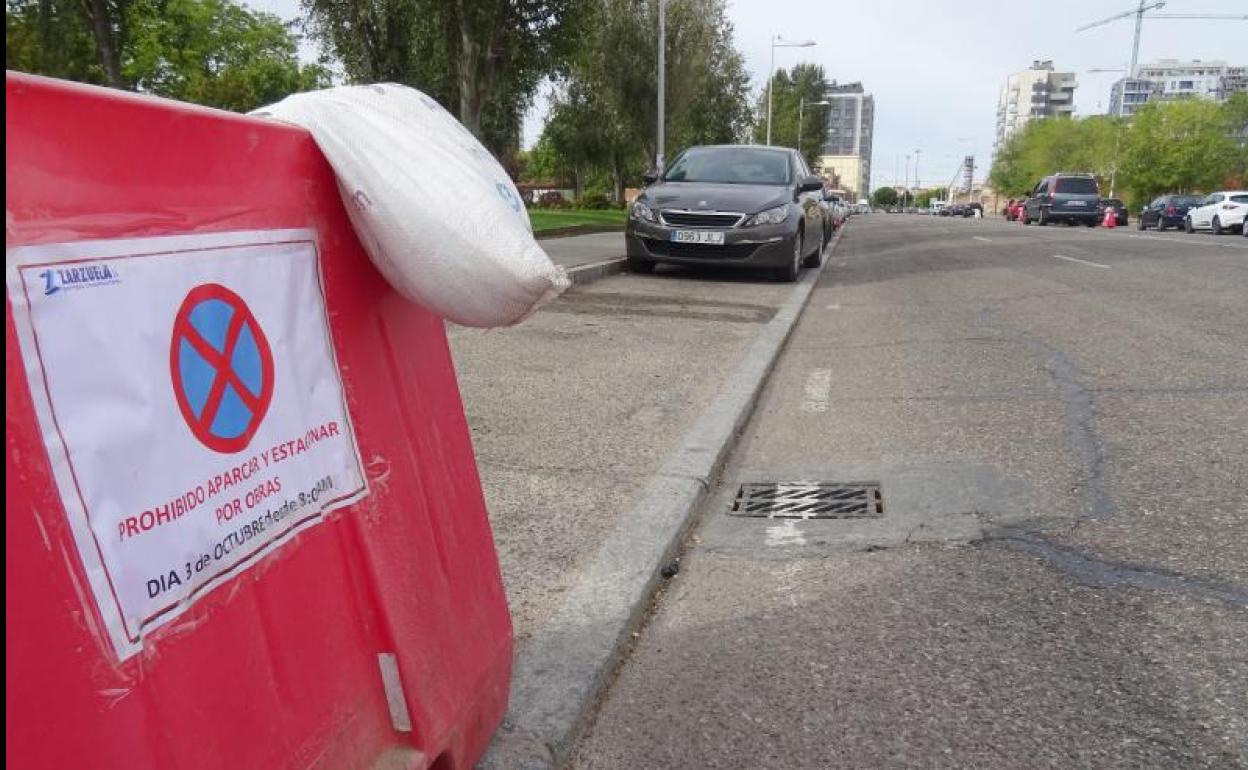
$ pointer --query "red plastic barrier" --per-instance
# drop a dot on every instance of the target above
(279, 664)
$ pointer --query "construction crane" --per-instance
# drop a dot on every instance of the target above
(1139, 12)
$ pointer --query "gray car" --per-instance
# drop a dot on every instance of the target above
(730, 205)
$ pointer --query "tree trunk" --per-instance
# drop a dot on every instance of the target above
(469, 63)
(475, 69)
(106, 46)
(617, 180)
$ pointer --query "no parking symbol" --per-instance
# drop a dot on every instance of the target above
(222, 368)
(161, 403)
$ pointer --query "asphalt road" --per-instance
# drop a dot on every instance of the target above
(1058, 419)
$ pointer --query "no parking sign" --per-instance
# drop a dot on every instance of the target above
(190, 402)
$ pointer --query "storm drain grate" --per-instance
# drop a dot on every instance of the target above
(807, 500)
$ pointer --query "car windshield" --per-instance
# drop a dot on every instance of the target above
(1077, 185)
(730, 165)
(1186, 200)
(1112, 202)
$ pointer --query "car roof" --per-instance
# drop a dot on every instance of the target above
(740, 147)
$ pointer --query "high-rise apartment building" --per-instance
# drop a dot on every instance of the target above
(1171, 80)
(1036, 92)
(847, 145)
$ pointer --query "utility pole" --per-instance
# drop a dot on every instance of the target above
(660, 145)
(778, 42)
(917, 153)
(908, 187)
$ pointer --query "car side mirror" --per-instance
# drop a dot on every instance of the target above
(810, 184)
(650, 177)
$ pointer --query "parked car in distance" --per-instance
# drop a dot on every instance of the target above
(1218, 212)
(1120, 210)
(730, 205)
(833, 212)
(1167, 211)
(1071, 198)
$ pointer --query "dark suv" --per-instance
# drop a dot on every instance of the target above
(1071, 198)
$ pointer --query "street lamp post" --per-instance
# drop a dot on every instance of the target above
(909, 190)
(659, 158)
(778, 42)
(801, 107)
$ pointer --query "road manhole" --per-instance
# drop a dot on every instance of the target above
(809, 500)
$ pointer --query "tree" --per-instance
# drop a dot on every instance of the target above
(603, 117)
(481, 59)
(803, 82)
(1185, 146)
(212, 52)
(923, 198)
(885, 197)
(58, 38)
(215, 52)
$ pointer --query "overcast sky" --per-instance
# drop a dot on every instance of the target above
(935, 68)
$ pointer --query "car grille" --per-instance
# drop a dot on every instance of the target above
(700, 250)
(701, 218)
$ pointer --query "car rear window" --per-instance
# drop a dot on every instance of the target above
(1186, 200)
(1077, 186)
(1240, 198)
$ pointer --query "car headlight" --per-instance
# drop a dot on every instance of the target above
(769, 217)
(642, 211)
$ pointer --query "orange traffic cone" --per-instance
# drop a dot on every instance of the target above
(1111, 219)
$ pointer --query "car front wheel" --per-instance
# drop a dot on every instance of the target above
(1217, 226)
(1187, 226)
(789, 272)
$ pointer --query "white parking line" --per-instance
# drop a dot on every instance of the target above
(1081, 261)
(818, 390)
(981, 238)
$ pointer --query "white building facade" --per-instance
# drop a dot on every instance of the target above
(847, 145)
(1036, 92)
(1172, 80)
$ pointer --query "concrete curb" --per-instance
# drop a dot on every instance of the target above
(561, 670)
(570, 230)
(583, 274)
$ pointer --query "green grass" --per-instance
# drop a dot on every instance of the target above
(551, 219)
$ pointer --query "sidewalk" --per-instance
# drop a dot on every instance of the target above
(573, 411)
(587, 257)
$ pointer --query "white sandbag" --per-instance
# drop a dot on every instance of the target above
(436, 212)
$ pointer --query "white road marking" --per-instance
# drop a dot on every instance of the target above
(835, 306)
(785, 533)
(1081, 261)
(818, 390)
(981, 238)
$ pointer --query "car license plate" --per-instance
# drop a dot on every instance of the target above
(714, 237)
(1076, 203)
